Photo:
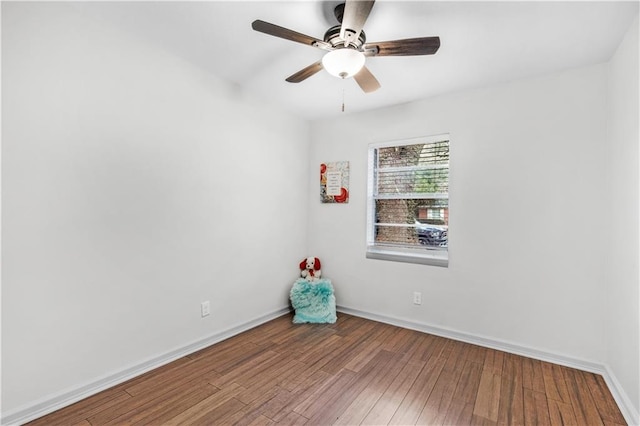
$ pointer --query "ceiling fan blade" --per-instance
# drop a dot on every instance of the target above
(355, 15)
(366, 80)
(305, 73)
(406, 47)
(287, 34)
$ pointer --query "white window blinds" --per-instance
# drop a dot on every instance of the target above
(409, 197)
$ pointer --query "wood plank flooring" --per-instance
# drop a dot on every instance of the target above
(353, 372)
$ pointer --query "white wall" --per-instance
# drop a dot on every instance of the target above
(134, 186)
(623, 278)
(529, 215)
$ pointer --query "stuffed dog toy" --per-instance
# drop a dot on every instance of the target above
(310, 268)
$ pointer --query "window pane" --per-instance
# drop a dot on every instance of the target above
(409, 208)
(431, 181)
(412, 222)
(427, 236)
(420, 181)
(413, 155)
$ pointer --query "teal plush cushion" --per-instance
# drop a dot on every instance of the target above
(313, 301)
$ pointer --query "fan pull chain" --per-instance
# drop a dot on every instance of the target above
(343, 83)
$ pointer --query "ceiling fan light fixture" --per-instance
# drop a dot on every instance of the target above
(343, 63)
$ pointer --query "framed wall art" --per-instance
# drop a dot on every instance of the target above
(334, 182)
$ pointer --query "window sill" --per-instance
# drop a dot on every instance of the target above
(423, 257)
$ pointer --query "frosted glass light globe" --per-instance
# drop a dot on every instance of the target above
(343, 63)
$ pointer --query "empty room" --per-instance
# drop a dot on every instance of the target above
(320, 212)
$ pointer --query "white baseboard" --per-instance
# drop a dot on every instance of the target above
(630, 414)
(65, 398)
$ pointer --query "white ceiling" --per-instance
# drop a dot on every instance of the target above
(482, 43)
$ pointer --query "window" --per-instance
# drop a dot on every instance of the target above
(434, 214)
(408, 201)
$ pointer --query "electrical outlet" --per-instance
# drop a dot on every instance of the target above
(417, 298)
(205, 309)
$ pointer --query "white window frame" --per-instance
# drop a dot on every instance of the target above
(419, 255)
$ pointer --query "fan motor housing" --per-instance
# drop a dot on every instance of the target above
(332, 36)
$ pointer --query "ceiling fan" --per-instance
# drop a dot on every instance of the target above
(347, 47)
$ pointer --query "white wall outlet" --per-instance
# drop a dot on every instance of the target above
(417, 298)
(205, 309)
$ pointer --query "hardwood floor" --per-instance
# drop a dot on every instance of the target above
(353, 372)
